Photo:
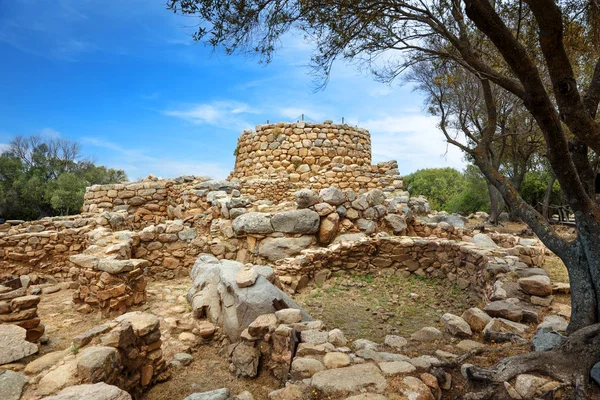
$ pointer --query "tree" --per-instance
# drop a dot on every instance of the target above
(41, 177)
(439, 185)
(544, 52)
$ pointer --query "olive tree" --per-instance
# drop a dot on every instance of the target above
(544, 52)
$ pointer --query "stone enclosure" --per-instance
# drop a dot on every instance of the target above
(303, 203)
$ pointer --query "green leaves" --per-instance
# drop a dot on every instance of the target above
(43, 178)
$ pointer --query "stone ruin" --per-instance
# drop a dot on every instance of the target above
(302, 204)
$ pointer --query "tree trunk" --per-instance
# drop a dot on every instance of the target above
(496, 204)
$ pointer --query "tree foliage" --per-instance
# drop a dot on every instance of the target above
(44, 177)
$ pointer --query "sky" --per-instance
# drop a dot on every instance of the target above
(126, 80)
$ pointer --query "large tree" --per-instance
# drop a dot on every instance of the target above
(544, 52)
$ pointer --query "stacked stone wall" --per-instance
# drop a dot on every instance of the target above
(458, 262)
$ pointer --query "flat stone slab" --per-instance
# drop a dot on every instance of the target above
(350, 379)
(98, 391)
(13, 345)
(141, 322)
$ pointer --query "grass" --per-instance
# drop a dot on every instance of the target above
(372, 306)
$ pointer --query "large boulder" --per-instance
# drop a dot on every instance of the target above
(538, 285)
(215, 294)
(253, 223)
(13, 345)
(98, 391)
(277, 248)
(302, 222)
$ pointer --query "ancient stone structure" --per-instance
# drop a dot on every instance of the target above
(275, 160)
(19, 307)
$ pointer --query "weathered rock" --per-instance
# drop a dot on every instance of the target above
(332, 195)
(183, 358)
(527, 272)
(262, 324)
(13, 345)
(367, 396)
(396, 222)
(395, 341)
(288, 316)
(294, 391)
(306, 198)
(45, 362)
(219, 394)
(502, 330)
(246, 277)
(427, 334)
(456, 325)
(329, 228)
(98, 391)
(141, 322)
(244, 360)
(504, 309)
(595, 373)
(476, 318)
(542, 301)
(87, 336)
(349, 379)
(58, 378)
(415, 389)
(11, 385)
(314, 336)
(538, 285)
(336, 359)
(350, 237)
(527, 385)
(215, 293)
(252, 223)
(396, 368)
(555, 323)
(484, 241)
(337, 338)
(95, 364)
(468, 345)
(546, 340)
(277, 248)
(304, 222)
(303, 368)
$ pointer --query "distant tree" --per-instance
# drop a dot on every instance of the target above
(439, 185)
(44, 177)
(474, 195)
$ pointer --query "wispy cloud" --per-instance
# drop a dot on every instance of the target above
(4, 147)
(414, 141)
(137, 163)
(217, 113)
(49, 133)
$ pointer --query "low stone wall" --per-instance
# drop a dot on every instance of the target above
(18, 307)
(458, 262)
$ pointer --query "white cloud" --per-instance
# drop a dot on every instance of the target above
(137, 164)
(217, 113)
(414, 141)
(4, 147)
(49, 133)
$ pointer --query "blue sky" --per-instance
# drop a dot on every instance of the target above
(125, 79)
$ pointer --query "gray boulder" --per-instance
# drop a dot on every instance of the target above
(306, 198)
(277, 248)
(332, 195)
(253, 223)
(546, 340)
(397, 222)
(215, 294)
(219, 394)
(13, 345)
(303, 222)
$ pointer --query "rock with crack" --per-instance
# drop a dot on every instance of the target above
(215, 293)
(13, 345)
(98, 391)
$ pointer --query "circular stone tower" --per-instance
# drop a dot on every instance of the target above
(300, 148)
